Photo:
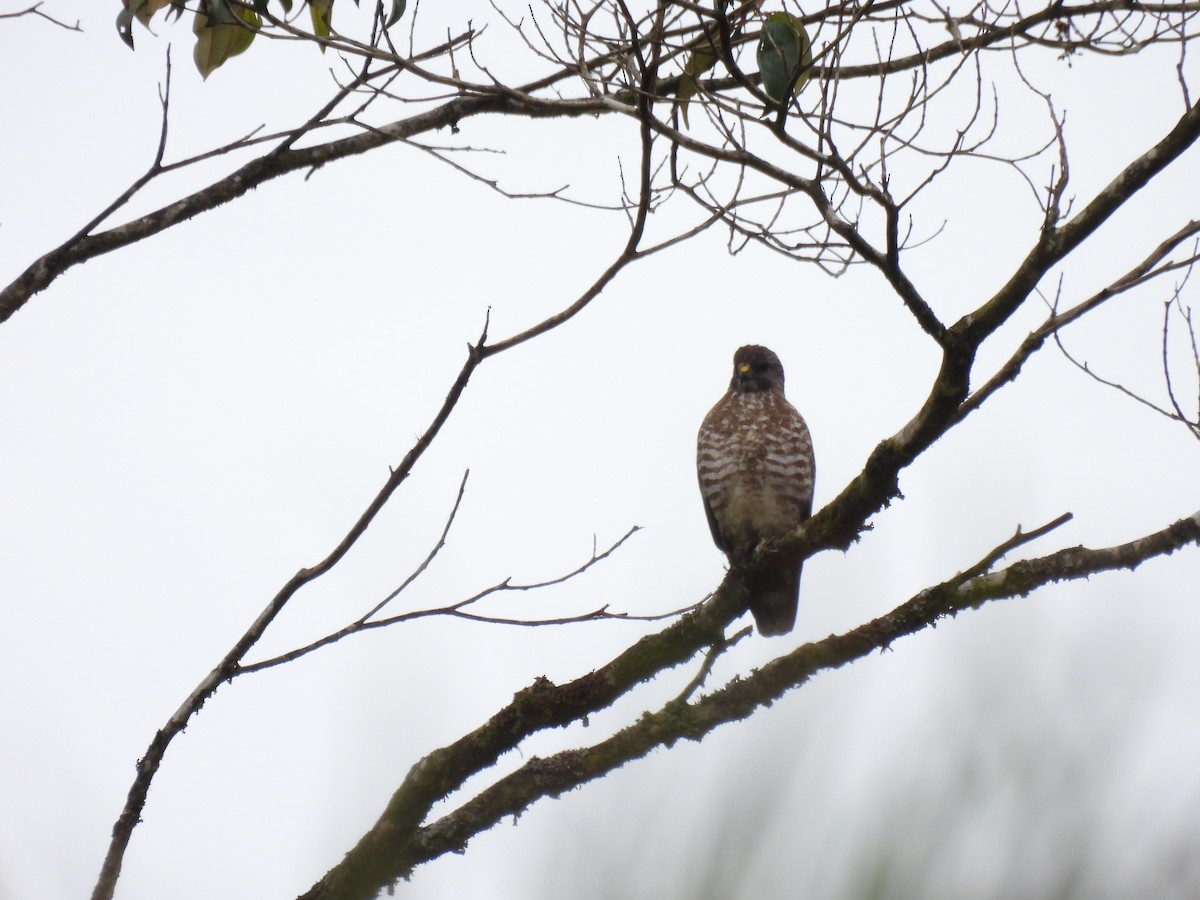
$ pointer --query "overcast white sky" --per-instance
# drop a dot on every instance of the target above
(186, 422)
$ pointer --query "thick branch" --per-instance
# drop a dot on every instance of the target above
(1056, 242)
(396, 844)
(840, 522)
(378, 859)
(1151, 267)
(255, 173)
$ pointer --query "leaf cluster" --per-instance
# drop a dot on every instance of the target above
(225, 28)
(784, 57)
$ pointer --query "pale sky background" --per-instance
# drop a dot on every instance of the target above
(186, 422)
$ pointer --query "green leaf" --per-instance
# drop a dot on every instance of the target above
(216, 43)
(784, 56)
(700, 61)
(147, 8)
(397, 11)
(142, 10)
(217, 11)
(322, 18)
(125, 21)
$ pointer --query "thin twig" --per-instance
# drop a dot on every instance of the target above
(227, 668)
(710, 659)
(36, 10)
(417, 572)
(455, 610)
(1152, 266)
(1018, 539)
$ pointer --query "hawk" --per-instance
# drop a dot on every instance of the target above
(754, 459)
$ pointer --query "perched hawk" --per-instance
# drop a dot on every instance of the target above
(754, 459)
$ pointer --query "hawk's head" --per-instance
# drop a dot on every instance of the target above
(756, 369)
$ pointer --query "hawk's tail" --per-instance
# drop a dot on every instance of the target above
(774, 597)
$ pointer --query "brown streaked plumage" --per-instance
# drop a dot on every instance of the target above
(754, 459)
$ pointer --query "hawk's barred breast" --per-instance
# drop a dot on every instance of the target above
(755, 466)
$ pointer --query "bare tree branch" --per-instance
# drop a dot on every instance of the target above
(149, 764)
(458, 610)
(478, 98)
(1192, 423)
(36, 10)
(283, 159)
(229, 665)
(399, 841)
(1154, 265)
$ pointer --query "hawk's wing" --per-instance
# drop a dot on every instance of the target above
(703, 470)
(712, 522)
